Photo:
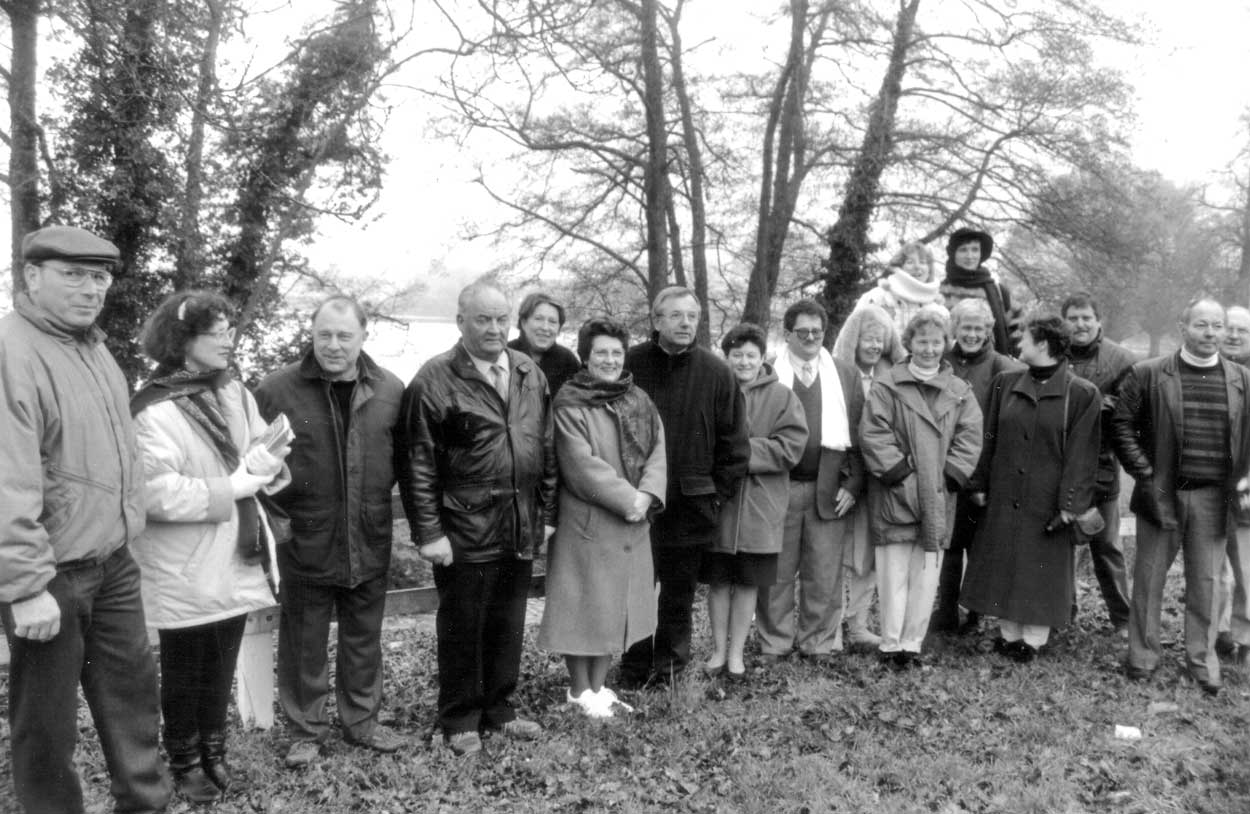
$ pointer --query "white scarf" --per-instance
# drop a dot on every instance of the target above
(835, 428)
(909, 289)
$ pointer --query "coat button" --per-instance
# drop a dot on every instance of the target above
(1021, 470)
(1015, 504)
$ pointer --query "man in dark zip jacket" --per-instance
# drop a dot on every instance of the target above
(705, 431)
(344, 410)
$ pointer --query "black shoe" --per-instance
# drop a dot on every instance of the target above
(971, 624)
(1001, 646)
(1022, 653)
(190, 780)
(1138, 674)
(213, 759)
(1225, 647)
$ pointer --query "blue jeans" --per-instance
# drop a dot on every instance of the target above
(102, 643)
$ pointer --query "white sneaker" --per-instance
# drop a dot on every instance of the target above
(590, 704)
(610, 699)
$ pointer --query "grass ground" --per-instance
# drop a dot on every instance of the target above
(969, 733)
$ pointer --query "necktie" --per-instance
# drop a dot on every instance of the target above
(806, 375)
(496, 379)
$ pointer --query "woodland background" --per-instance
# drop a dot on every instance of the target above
(628, 147)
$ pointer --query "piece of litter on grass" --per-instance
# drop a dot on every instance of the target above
(1163, 707)
(1127, 733)
(395, 645)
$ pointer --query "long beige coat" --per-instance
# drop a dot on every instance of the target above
(600, 579)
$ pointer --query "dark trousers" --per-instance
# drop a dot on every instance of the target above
(104, 645)
(303, 666)
(967, 515)
(197, 668)
(481, 626)
(668, 652)
(1107, 556)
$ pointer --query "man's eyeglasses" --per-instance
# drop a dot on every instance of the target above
(808, 333)
(76, 276)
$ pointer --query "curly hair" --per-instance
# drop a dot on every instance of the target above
(926, 318)
(743, 333)
(921, 252)
(599, 326)
(179, 318)
(809, 307)
(1053, 330)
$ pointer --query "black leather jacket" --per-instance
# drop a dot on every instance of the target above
(480, 473)
(340, 505)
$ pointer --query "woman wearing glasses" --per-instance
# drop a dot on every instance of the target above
(203, 550)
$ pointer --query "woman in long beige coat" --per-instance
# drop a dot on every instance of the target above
(600, 579)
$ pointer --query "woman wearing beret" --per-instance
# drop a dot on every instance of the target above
(921, 437)
(541, 320)
(1037, 476)
(202, 554)
(600, 579)
(966, 276)
(743, 557)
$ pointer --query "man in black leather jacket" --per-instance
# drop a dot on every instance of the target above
(479, 492)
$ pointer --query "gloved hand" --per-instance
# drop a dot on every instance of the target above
(260, 461)
(245, 484)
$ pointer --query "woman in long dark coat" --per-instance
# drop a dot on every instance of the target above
(1037, 475)
(613, 476)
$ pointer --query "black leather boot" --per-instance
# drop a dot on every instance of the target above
(213, 750)
(189, 778)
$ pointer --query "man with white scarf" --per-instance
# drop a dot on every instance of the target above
(824, 486)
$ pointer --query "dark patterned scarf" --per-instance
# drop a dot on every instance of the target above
(195, 395)
(630, 409)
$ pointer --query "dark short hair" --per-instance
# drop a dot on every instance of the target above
(805, 307)
(743, 333)
(1052, 329)
(531, 302)
(599, 326)
(342, 302)
(1081, 299)
(179, 318)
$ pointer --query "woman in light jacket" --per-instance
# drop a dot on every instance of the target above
(910, 284)
(1041, 455)
(743, 557)
(202, 552)
(921, 438)
(613, 477)
(868, 341)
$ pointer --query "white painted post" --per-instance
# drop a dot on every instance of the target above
(254, 673)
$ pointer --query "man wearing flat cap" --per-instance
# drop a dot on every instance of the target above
(966, 277)
(71, 500)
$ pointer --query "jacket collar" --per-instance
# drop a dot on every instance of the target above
(366, 368)
(462, 362)
(42, 320)
(1054, 387)
(914, 398)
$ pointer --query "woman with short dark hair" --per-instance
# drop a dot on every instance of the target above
(600, 578)
(743, 557)
(206, 540)
(540, 321)
(1037, 476)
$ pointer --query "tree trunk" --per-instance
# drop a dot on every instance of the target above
(23, 130)
(848, 237)
(694, 164)
(783, 150)
(655, 182)
(1243, 267)
(189, 249)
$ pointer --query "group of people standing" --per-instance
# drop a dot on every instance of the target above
(794, 488)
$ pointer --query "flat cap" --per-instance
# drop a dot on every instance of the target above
(67, 243)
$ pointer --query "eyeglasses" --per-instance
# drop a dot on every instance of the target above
(76, 276)
(808, 333)
(221, 336)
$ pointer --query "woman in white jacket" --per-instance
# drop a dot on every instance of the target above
(202, 555)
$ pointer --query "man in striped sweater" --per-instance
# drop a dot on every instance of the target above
(1181, 433)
